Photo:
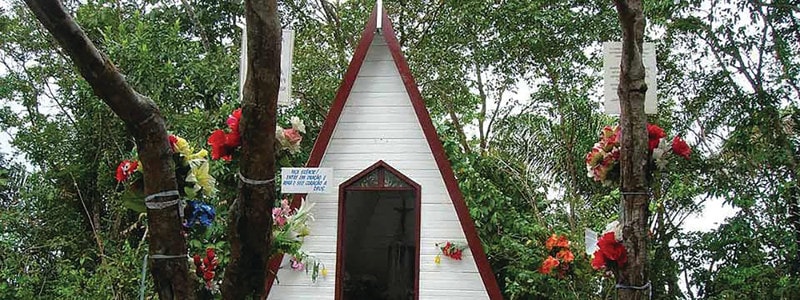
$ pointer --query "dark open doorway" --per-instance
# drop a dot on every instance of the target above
(378, 242)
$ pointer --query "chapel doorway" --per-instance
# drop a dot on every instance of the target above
(378, 236)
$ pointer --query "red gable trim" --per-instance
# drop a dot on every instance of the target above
(489, 280)
(321, 145)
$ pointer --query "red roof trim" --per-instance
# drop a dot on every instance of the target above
(321, 145)
(337, 106)
(489, 280)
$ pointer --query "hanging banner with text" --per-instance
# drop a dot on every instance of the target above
(612, 56)
(306, 180)
(287, 48)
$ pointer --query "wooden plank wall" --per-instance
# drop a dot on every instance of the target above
(378, 123)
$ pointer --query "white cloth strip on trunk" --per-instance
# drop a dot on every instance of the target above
(161, 205)
(253, 181)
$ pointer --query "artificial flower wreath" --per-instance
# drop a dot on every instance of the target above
(450, 249)
(603, 160)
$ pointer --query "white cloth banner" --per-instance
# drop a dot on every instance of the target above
(306, 180)
(612, 56)
(287, 48)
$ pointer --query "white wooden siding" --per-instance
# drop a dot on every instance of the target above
(378, 122)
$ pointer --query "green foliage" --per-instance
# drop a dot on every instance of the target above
(728, 83)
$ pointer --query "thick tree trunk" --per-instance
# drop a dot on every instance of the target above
(145, 123)
(251, 219)
(633, 159)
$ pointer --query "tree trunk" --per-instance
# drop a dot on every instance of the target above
(250, 228)
(633, 158)
(144, 121)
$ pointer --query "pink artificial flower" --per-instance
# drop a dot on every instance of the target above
(297, 265)
(292, 136)
(233, 120)
(277, 217)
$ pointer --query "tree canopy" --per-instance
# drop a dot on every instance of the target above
(515, 91)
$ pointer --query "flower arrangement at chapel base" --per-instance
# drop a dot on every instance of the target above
(224, 144)
(602, 162)
(449, 249)
(611, 253)
(559, 255)
(289, 227)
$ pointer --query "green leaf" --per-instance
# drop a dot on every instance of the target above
(134, 201)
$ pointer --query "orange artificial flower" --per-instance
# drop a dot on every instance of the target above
(548, 264)
(565, 255)
(556, 241)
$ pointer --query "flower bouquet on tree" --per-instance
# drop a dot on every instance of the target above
(602, 162)
(195, 184)
(225, 143)
(560, 255)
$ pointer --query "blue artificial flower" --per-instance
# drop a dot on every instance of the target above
(200, 212)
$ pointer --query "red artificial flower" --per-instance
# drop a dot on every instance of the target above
(594, 157)
(451, 250)
(456, 254)
(233, 120)
(206, 266)
(565, 255)
(680, 147)
(125, 169)
(208, 275)
(172, 141)
(609, 137)
(223, 144)
(548, 264)
(609, 250)
(210, 253)
(599, 261)
(654, 135)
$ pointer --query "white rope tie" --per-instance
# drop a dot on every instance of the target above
(253, 181)
(162, 205)
(162, 194)
(647, 286)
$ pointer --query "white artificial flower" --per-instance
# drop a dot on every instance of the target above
(660, 154)
(298, 124)
(616, 227)
(657, 153)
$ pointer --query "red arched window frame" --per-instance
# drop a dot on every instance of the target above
(382, 183)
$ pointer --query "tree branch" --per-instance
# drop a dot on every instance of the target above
(250, 228)
(144, 122)
(482, 114)
(634, 151)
